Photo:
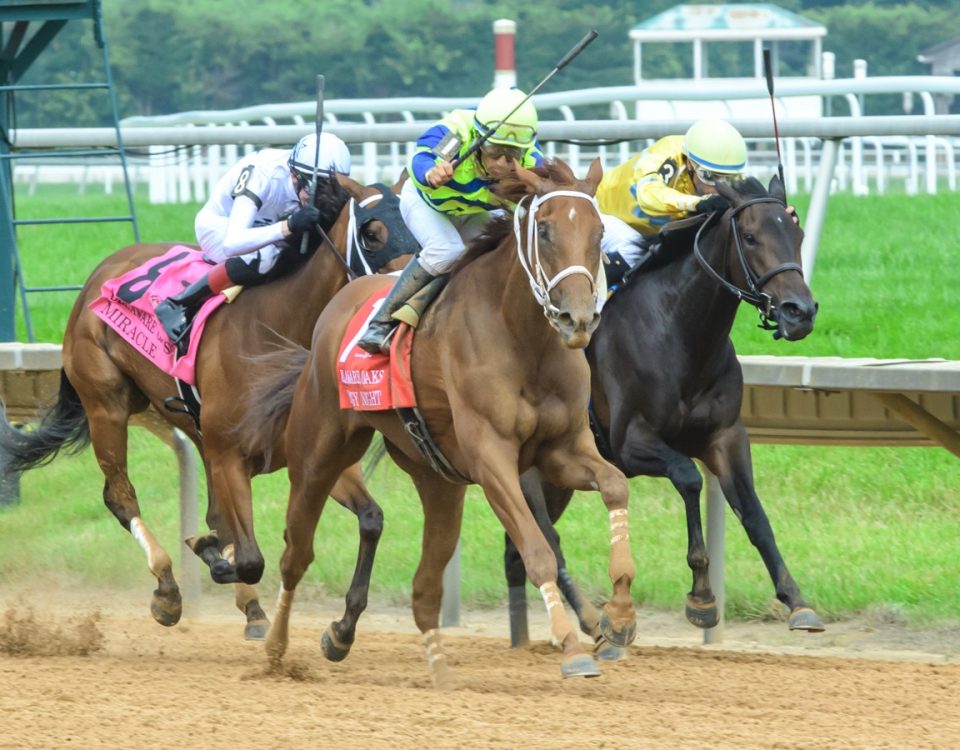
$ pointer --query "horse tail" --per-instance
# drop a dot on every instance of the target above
(63, 427)
(271, 396)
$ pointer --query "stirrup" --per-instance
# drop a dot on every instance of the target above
(376, 338)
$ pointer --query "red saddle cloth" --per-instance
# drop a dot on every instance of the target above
(127, 304)
(375, 382)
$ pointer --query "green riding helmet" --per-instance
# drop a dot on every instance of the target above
(715, 147)
(516, 130)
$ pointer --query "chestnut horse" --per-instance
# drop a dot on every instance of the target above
(667, 385)
(105, 381)
(501, 386)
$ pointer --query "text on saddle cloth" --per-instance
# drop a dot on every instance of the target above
(375, 382)
(127, 304)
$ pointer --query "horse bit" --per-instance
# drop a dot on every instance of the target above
(754, 293)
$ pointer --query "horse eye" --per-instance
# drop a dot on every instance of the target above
(543, 232)
(749, 238)
(370, 235)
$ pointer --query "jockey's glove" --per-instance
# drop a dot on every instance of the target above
(710, 204)
(303, 219)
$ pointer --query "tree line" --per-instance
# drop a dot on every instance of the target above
(169, 56)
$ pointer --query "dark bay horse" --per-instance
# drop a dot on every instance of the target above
(501, 386)
(667, 386)
(105, 381)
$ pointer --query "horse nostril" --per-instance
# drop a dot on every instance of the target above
(566, 319)
(798, 311)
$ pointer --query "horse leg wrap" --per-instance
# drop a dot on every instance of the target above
(621, 561)
(437, 661)
(560, 626)
(279, 635)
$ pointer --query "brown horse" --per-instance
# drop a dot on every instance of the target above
(501, 386)
(105, 381)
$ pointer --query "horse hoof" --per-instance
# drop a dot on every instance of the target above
(702, 614)
(222, 571)
(621, 638)
(804, 618)
(256, 631)
(166, 610)
(606, 651)
(580, 665)
(333, 648)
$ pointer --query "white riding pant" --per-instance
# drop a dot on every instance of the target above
(620, 237)
(442, 238)
(211, 229)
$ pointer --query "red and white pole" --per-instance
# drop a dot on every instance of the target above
(504, 66)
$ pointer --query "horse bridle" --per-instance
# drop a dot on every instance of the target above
(754, 293)
(530, 261)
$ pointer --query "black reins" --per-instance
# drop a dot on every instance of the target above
(754, 293)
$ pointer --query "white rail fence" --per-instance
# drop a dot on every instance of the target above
(874, 162)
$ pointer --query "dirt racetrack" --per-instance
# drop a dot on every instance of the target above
(97, 672)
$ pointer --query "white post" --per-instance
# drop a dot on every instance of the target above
(818, 207)
(715, 551)
(189, 564)
(450, 603)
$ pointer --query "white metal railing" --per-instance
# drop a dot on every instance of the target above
(654, 100)
(187, 174)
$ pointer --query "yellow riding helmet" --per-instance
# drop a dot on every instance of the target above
(495, 113)
(716, 146)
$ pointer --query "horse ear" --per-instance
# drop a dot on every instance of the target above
(398, 185)
(528, 178)
(725, 189)
(594, 174)
(351, 186)
(777, 190)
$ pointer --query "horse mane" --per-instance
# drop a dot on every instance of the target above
(749, 187)
(512, 188)
(331, 198)
(681, 244)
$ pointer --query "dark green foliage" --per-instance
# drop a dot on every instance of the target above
(170, 56)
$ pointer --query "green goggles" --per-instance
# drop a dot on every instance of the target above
(509, 134)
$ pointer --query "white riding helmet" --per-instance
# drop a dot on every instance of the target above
(333, 156)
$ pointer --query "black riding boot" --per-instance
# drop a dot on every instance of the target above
(414, 278)
(176, 313)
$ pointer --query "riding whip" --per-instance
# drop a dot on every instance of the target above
(567, 58)
(321, 82)
(768, 71)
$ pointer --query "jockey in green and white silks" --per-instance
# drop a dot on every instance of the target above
(669, 180)
(445, 206)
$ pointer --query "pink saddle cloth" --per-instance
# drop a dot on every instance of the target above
(127, 305)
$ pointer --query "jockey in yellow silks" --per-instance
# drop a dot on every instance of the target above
(445, 206)
(668, 180)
